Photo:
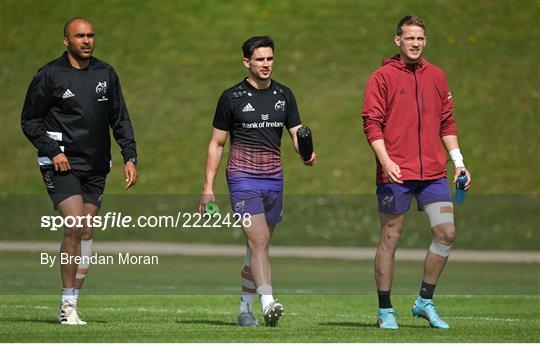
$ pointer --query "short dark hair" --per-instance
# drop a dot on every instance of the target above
(256, 42)
(410, 20)
(68, 23)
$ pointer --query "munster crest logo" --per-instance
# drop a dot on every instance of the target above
(101, 87)
(280, 105)
(387, 201)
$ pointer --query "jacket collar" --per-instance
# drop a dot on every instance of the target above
(252, 88)
(398, 63)
(66, 62)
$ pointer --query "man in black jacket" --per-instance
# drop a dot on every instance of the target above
(70, 105)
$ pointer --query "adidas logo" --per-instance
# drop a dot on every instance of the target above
(248, 108)
(68, 94)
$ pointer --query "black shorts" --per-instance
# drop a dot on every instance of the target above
(62, 185)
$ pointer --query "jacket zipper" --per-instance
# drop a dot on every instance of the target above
(419, 124)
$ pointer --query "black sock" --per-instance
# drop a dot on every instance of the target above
(384, 299)
(427, 290)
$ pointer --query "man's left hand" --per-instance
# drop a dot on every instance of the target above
(130, 174)
(456, 175)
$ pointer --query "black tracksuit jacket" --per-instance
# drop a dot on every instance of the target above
(70, 110)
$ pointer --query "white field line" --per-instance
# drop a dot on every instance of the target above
(160, 310)
(490, 319)
(346, 253)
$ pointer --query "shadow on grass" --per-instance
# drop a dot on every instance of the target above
(206, 322)
(48, 321)
(360, 324)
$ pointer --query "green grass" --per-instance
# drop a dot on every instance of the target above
(22, 273)
(175, 57)
(337, 318)
(195, 299)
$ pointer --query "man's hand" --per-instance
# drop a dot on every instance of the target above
(392, 172)
(61, 163)
(312, 161)
(456, 175)
(207, 196)
(130, 174)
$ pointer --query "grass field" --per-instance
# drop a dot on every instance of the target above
(337, 318)
(194, 299)
(22, 273)
(175, 57)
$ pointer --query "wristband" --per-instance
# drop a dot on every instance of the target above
(457, 158)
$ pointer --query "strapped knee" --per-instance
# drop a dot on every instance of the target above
(440, 249)
(439, 213)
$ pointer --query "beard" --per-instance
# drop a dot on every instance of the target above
(77, 54)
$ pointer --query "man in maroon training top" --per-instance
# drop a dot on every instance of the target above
(407, 114)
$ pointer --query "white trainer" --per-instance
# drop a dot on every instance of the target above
(68, 315)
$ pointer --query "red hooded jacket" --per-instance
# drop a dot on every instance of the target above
(410, 107)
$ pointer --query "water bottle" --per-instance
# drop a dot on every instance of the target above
(460, 188)
(305, 142)
(211, 208)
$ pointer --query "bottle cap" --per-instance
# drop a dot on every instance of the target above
(211, 208)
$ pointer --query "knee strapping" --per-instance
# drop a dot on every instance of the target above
(439, 213)
(440, 249)
(86, 253)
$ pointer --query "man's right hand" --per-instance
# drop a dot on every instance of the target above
(205, 198)
(392, 172)
(311, 162)
(61, 163)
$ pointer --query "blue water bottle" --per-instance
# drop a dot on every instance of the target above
(459, 197)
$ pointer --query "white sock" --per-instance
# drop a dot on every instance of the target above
(265, 291)
(246, 302)
(76, 292)
(249, 298)
(245, 306)
(68, 296)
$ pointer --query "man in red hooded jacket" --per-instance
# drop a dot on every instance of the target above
(407, 114)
